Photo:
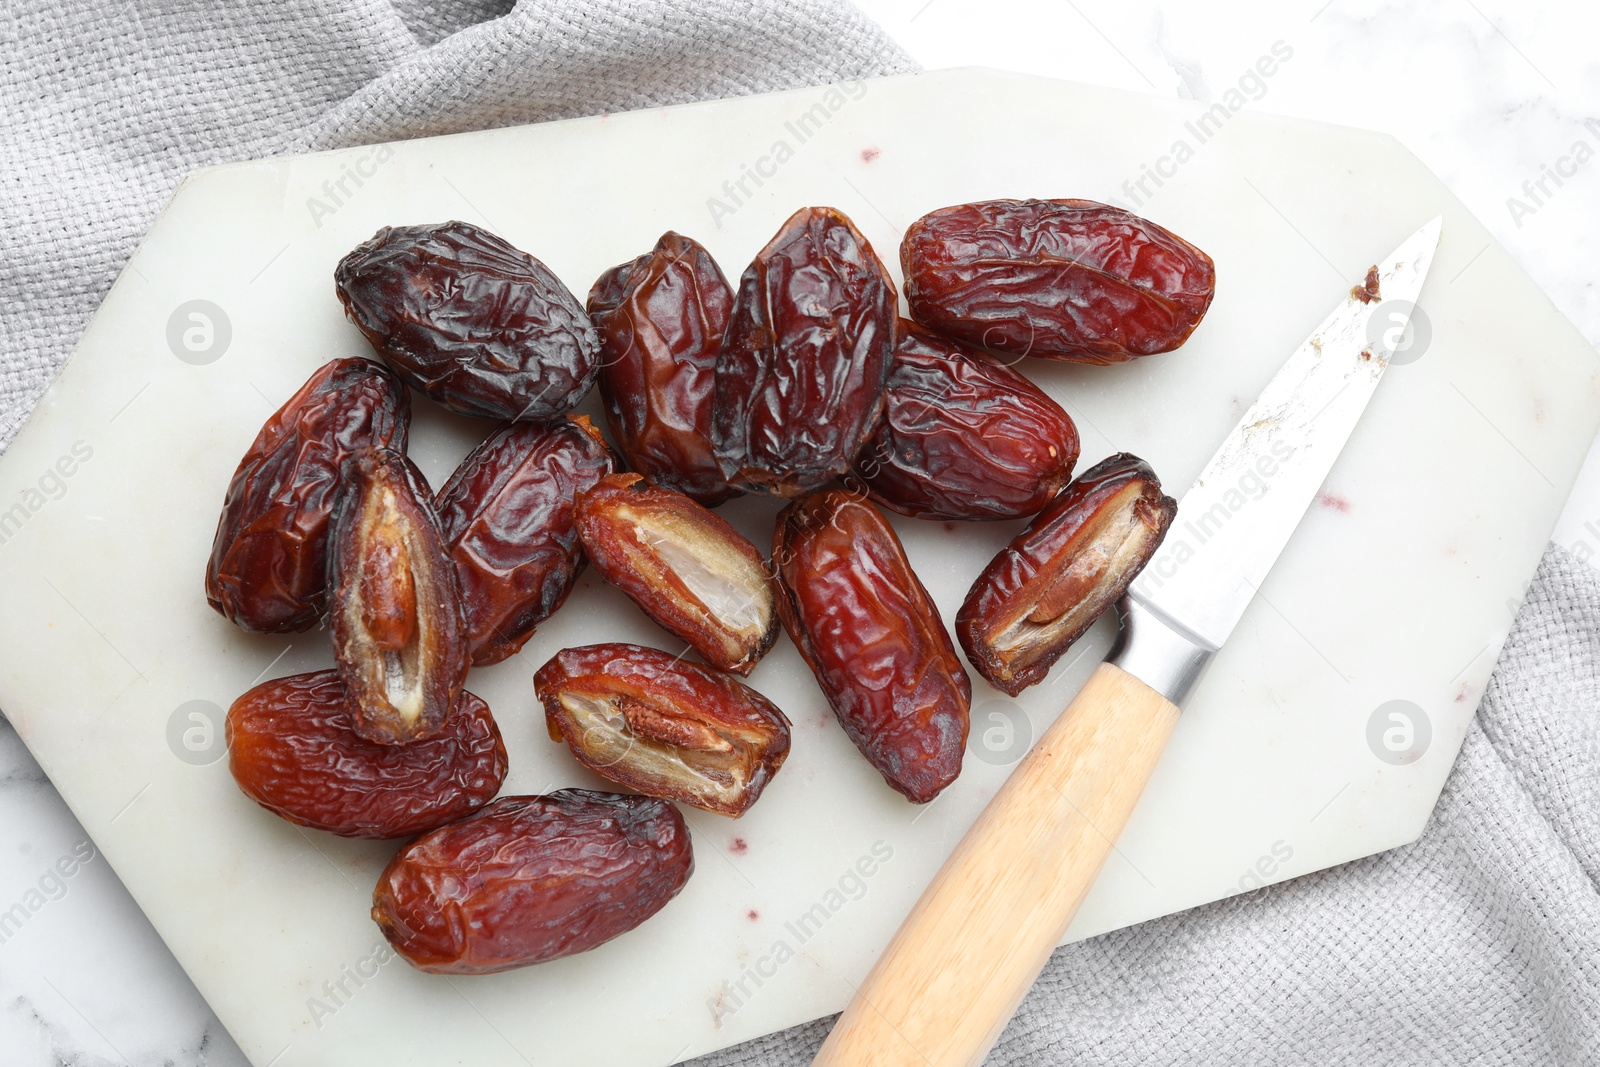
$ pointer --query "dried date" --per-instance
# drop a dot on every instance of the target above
(478, 325)
(872, 636)
(509, 519)
(652, 723)
(292, 749)
(1059, 279)
(1042, 591)
(530, 879)
(800, 379)
(268, 570)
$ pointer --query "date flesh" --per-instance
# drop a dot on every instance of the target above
(1045, 589)
(395, 612)
(872, 636)
(268, 570)
(652, 723)
(695, 575)
(661, 318)
(292, 750)
(509, 520)
(800, 379)
(478, 325)
(963, 437)
(1059, 279)
(531, 879)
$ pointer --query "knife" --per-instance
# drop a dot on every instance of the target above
(943, 990)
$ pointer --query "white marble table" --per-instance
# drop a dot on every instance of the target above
(1493, 96)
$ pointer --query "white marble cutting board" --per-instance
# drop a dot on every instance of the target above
(1399, 587)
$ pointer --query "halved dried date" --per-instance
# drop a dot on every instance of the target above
(800, 379)
(268, 570)
(478, 325)
(1073, 561)
(691, 572)
(651, 722)
(1060, 279)
(661, 319)
(530, 879)
(963, 437)
(509, 520)
(395, 611)
(292, 749)
(872, 636)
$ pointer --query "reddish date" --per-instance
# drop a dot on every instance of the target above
(650, 722)
(1060, 279)
(509, 519)
(873, 638)
(292, 749)
(395, 611)
(800, 379)
(268, 570)
(530, 879)
(692, 573)
(963, 437)
(479, 326)
(1073, 561)
(661, 318)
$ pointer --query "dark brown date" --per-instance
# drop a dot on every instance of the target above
(696, 576)
(652, 723)
(963, 437)
(873, 637)
(395, 608)
(509, 520)
(1073, 561)
(530, 879)
(292, 750)
(661, 319)
(1059, 279)
(479, 326)
(268, 570)
(800, 379)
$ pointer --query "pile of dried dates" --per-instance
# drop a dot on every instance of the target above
(801, 382)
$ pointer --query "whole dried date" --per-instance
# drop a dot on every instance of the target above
(661, 318)
(395, 611)
(963, 437)
(479, 326)
(509, 521)
(530, 879)
(873, 638)
(292, 750)
(268, 570)
(1060, 279)
(1042, 591)
(692, 573)
(650, 722)
(800, 379)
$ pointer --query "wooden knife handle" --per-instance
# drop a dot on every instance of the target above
(960, 964)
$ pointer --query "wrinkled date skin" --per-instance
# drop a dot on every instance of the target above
(652, 723)
(269, 562)
(1059, 279)
(530, 879)
(509, 518)
(661, 319)
(395, 608)
(873, 638)
(1073, 561)
(292, 750)
(963, 437)
(479, 326)
(696, 576)
(800, 379)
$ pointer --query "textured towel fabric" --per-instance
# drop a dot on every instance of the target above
(1475, 945)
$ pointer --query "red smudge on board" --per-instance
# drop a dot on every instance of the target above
(1334, 502)
(739, 846)
(869, 154)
